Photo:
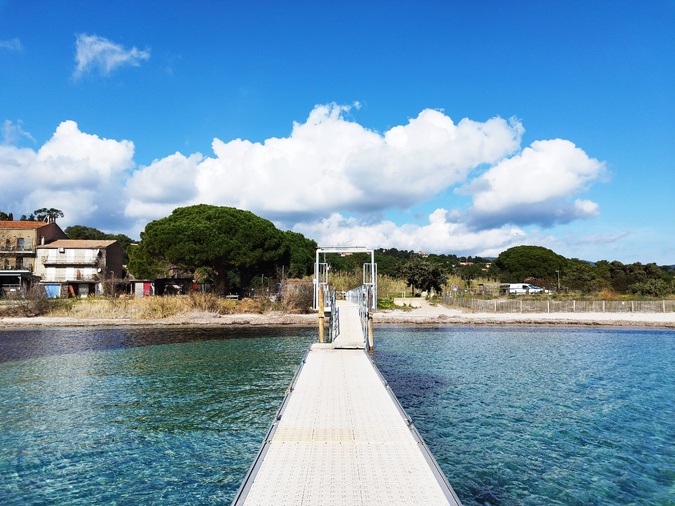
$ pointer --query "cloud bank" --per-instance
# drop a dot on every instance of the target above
(98, 53)
(331, 179)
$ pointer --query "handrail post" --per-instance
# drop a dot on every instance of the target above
(322, 314)
(370, 319)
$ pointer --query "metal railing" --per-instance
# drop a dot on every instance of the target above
(334, 329)
(77, 260)
(25, 248)
(359, 296)
(88, 278)
(8, 267)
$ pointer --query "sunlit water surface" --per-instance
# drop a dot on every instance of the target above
(529, 416)
(176, 415)
(134, 422)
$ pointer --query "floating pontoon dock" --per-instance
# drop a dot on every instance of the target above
(342, 438)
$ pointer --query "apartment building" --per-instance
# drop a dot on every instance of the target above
(79, 268)
(18, 243)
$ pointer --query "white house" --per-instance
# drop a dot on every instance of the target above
(78, 268)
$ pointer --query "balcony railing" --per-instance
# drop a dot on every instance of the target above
(25, 249)
(46, 260)
(25, 268)
(78, 279)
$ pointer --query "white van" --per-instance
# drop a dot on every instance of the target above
(519, 289)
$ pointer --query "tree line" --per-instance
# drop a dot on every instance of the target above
(550, 270)
(42, 214)
(229, 247)
(531, 264)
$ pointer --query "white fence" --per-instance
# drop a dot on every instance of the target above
(561, 306)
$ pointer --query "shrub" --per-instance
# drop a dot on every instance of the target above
(385, 303)
(653, 288)
(297, 296)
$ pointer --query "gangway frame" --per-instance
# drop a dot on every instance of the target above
(321, 270)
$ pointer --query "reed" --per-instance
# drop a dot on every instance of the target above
(388, 287)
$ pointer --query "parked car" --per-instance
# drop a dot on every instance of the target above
(520, 289)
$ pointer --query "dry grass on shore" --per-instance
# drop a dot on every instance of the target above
(149, 308)
(142, 308)
(294, 299)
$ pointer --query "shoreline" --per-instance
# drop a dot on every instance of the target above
(422, 313)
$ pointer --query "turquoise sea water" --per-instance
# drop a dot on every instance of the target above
(541, 415)
(175, 416)
(116, 418)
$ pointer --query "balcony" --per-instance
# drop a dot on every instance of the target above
(66, 261)
(17, 269)
(62, 278)
(26, 249)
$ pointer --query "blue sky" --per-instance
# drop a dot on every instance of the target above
(447, 127)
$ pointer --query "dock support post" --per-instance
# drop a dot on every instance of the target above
(322, 314)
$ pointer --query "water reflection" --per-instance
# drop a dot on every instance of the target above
(17, 344)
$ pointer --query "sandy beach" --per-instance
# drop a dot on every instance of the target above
(425, 313)
(417, 312)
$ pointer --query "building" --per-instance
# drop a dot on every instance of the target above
(18, 243)
(79, 268)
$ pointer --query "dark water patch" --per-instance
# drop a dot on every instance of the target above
(19, 344)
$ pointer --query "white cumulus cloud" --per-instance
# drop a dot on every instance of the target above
(331, 179)
(329, 164)
(442, 233)
(76, 172)
(536, 186)
(94, 52)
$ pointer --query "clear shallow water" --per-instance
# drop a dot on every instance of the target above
(176, 415)
(541, 416)
(105, 416)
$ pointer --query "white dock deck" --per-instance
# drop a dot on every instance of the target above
(351, 333)
(341, 438)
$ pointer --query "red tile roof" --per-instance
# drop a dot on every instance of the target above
(77, 244)
(25, 225)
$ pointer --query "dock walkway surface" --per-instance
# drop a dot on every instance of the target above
(342, 438)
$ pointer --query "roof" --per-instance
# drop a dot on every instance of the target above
(25, 225)
(78, 244)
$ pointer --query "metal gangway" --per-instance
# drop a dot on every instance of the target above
(322, 271)
(340, 436)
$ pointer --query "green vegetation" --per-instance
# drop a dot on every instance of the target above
(522, 262)
(423, 275)
(231, 245)
(533, 264)
(545, 268)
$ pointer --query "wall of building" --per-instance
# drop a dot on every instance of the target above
(114, 258)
